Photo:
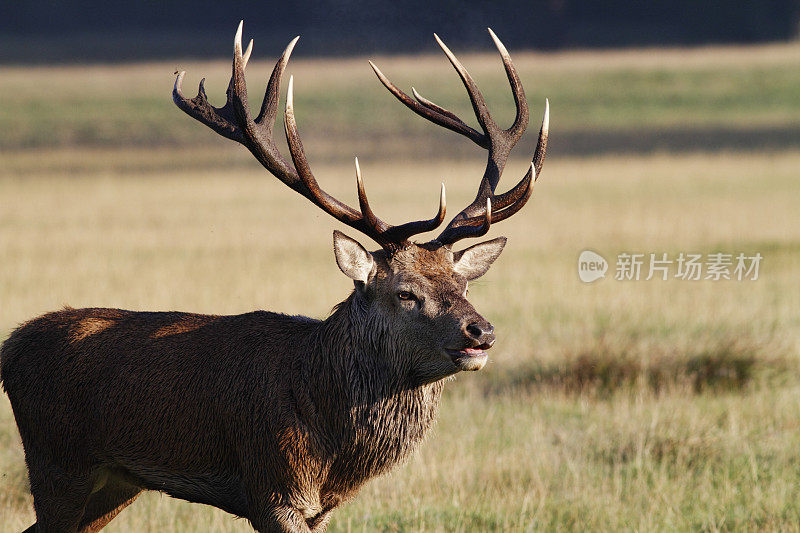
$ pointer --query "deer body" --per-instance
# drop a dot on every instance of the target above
(270, 417)
(294, 411)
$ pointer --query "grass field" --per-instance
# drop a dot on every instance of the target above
(639, 405)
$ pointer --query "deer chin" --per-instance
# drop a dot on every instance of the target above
(469, 359)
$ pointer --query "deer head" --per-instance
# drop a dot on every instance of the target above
(418, 290)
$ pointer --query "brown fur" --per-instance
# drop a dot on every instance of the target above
(90, 326)
(271, 417)
(185, 325)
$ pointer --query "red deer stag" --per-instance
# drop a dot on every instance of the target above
(274, 418)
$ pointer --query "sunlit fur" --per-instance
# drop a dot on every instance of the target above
(271, 417)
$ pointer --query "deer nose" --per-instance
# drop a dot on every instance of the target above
(482, 332)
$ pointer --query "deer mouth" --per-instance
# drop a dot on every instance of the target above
(469, 358)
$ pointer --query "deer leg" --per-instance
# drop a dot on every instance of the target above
(280, 520)
(105, 504)
(59, 498)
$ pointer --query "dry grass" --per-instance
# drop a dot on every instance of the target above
(657, 406)
(583, 418)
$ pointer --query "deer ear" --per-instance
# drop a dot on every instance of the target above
(353, 259)
(475, 261)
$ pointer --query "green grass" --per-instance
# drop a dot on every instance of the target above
(649, 406)
(347, 107)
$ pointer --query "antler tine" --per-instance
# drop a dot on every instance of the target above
(521, 103)
(405, 231)
(199, 108)
(311, 189)
(389, 237)
(366, 210)
(541, 144)
(477, 226)
(441, 116)
(269, 106)
(511, 196)
(434, 113)
(522, 188)
(475, 95)
(499, 142)
(401, 233)
(432, 106)
(234, 121)
(505, 204)
(247, 52)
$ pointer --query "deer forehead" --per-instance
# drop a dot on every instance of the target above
(427, 266)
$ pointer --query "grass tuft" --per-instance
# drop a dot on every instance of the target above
(604, 368)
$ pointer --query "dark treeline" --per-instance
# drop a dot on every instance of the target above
(80, 30)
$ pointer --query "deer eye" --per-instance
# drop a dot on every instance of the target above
(406, 296)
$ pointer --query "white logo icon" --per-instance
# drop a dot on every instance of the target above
(591, 266)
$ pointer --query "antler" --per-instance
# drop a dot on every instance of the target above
(487, 208)
(234, 121)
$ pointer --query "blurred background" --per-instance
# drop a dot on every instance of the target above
(88, 30)
(615, 405)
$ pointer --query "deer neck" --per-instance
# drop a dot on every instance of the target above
(368, 386)
(378, 362)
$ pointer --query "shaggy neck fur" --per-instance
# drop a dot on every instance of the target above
(362, 396)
